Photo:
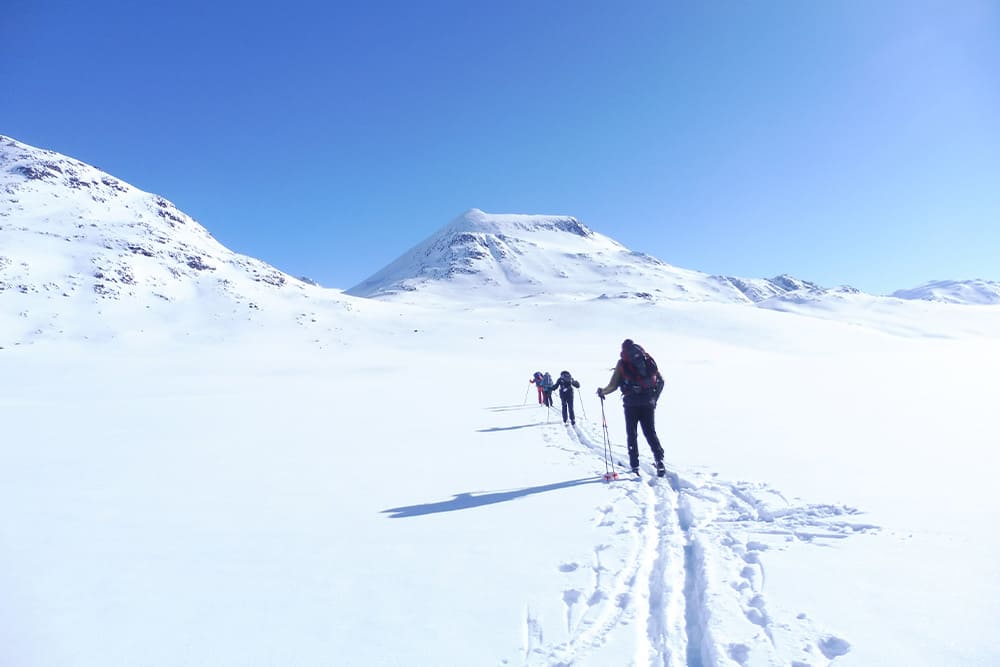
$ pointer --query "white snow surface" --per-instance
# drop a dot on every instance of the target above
(955, 291)
(322, 479)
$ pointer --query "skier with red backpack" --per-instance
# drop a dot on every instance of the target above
(639, 379)
(536, 380)
(545, 385)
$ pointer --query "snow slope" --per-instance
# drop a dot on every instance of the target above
(107, 259)
(326, 479)
(398, 497)
(955, 291)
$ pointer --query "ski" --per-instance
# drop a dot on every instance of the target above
(615, 476)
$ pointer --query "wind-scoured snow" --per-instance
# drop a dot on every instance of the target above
(326, 479)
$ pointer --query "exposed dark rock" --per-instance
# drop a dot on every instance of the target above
(196, 262)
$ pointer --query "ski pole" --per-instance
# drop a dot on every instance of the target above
(525, 401)
(608, 474)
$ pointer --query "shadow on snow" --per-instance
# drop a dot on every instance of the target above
(507, 428)
(464, 501)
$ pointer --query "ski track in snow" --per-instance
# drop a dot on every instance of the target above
(683, 569)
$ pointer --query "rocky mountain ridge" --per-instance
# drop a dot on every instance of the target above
(77, 244)
(97, 233)
(87, 254)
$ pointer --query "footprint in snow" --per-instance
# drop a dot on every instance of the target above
(832, 647)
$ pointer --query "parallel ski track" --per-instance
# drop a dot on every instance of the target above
(619, 604)
(690, 584)
(655, 581)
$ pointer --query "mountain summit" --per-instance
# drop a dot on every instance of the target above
(123, 241)
(502, 256)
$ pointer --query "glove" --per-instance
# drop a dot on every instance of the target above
(600, 393)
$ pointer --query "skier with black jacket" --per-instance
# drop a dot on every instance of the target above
(639, 379)
(565, 383)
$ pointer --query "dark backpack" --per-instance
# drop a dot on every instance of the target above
(639, 372)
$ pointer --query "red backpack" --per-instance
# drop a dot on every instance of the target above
(639, 372)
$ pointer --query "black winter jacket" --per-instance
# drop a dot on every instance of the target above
(566, 386)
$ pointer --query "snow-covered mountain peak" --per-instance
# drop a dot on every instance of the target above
(481, 255)
(75, 240)
(791, 283)
(59, 193)
(476, 221)
(487, 256)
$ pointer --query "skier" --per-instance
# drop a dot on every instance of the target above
(538, 379)
(639, 379)
(547, 386)
(565, 383)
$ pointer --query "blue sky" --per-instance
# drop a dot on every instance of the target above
(849, 142)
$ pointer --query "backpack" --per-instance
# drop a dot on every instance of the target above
(566, 383)
(639, 372)
(546, 382)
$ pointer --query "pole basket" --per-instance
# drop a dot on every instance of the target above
(608, 476)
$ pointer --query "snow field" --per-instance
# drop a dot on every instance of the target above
(392, 494)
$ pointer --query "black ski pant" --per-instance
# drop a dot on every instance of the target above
(634, 416)
(567, 405)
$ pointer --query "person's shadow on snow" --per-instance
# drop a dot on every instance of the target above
(508, 428)
(464, 501)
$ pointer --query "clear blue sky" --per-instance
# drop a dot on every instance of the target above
(845, 142)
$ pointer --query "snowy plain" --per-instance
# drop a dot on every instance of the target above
(205, 461)
(394, 495)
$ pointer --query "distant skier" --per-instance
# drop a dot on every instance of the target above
(565, 383)
(538, 380)
(547, 386)
(639, 379)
